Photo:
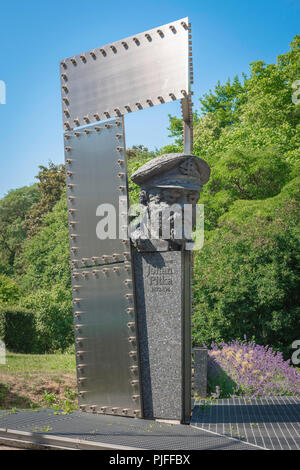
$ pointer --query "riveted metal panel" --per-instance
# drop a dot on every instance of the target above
(187, 104)
(138, 72)
(105, 336)
(96, 174)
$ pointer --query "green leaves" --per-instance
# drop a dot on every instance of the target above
(247, 275)
(9, 291)
(256, 114)
(225, 102)
(13, 210)
(45, 258)
(52, 182)
(250, 175)
(44, 268)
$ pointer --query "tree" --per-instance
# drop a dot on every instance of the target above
(9, 291)
(140, 155)
(45, 279)
(247, 274)
(45, 258)
(13, 210)
(256, 114)
(225, 103)
(245, 175)
(51, 185)
(136, 150)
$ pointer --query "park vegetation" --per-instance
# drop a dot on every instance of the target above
(247, 273)
(242, 368)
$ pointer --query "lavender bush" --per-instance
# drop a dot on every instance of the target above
(249, 370)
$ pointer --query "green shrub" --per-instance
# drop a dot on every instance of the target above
(9, 291)
(17, 329)
(45, 279)
(53, 316)
(247, 276)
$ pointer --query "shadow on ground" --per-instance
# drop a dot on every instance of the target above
(9, 399)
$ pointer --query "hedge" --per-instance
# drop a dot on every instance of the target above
(17, 329)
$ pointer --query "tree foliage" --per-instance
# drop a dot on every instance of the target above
(247, 274)
(9, 291)
(17, 329)
(51, 185)
(13, 210)
(45, 278)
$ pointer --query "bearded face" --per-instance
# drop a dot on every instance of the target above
(170, 189)
(172, 212)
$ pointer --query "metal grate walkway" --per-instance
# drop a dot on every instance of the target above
(108, 432)
(270, 423)
(233, 424)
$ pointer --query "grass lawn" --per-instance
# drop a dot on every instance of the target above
(38, 380)
(38, 362)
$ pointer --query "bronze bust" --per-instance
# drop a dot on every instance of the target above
(170, 189)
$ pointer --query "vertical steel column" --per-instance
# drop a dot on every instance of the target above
(186, 102)
(187, 117)
(102, 283)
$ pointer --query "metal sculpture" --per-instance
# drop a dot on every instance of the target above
(98, 88)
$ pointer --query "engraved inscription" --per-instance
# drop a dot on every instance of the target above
(160, 279)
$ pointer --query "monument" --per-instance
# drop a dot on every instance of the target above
(169, 184)
(131, 294)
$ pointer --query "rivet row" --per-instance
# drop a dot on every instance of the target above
(113, 48)
(127, 108)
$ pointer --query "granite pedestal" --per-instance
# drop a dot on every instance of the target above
(162, 285)
(200, 371)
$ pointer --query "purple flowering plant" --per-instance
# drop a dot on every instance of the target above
(247, 369)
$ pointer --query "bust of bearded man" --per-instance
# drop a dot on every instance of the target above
(170, 189)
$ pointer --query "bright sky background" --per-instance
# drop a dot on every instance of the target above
(36, 35)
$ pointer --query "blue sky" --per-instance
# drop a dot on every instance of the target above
(36, 35)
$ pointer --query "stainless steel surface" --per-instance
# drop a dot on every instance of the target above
(95, 172)
(187, 105)
(104, 313)
(138, 72)
(187, 117)
(107, 362)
